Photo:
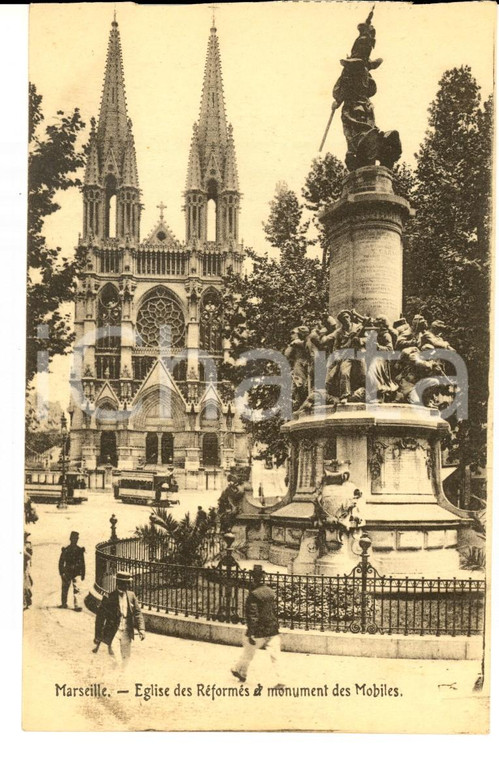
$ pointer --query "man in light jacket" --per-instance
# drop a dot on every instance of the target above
(117, 616)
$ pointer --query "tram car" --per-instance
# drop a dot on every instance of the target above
(146, 487)
(45, 486)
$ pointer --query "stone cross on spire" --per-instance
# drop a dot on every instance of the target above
(161, 207)
(213, 8)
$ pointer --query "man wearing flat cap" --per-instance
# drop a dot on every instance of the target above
(72, 567)
(117, 617)
(263, 626)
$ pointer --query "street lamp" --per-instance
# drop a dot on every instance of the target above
(63, 503)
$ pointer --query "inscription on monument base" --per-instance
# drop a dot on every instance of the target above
(402, 466)
(366, 274)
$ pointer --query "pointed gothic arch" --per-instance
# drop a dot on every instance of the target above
(211, 322)
(107, 410)
(108, 317)
(210, 413)
(159, 407)
(110, 208)
(212, 209)
(108, 343)
(211, 221)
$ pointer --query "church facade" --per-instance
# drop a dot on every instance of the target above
(148, 312)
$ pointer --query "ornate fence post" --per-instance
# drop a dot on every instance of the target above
(153, 543)
(114, 538)
(227, 610)
(228, 592)
(365, 544)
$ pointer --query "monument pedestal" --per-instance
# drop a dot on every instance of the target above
(392, 449)
(394, 459)
(364, 238)
(306, 560)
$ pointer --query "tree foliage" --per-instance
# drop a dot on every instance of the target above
(42, 431)
(323, 186)
(447, 250)
(179, 542)
(284, 228)
(262, 307)
(54, 157)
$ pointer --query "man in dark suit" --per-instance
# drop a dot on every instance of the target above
(263, 627)
(117, 616)
(71, 567)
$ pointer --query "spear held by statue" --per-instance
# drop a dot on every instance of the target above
(333, 109)
(354, 54)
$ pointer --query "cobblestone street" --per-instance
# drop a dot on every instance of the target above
(58, 650)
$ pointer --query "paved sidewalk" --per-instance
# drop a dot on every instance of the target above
(433, 696)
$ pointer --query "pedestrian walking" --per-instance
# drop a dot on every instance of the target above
(30, 514)
(117, 616)
(262, 627)
(72, 567)
(28, 581)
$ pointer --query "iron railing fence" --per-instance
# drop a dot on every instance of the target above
(159, 550)
(362, 601)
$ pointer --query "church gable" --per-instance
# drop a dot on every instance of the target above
(161, 236)
(107, 396)
(158, 377)
(158, 402)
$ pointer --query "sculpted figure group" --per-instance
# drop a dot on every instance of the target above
(347, 379)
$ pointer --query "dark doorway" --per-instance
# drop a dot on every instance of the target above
(210, 450)
(151, 448)
(108, 452)
(167, 448)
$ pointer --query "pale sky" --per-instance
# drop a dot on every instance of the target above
(279, 62)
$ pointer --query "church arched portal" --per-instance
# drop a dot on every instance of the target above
(151, 448)
(108, 451)
(167, 445)
(211, 456)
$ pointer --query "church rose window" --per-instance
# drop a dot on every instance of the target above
(160, 316)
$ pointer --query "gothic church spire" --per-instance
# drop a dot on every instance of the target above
(212, 127)
(113, 128)
(111, 176)
(212, 170)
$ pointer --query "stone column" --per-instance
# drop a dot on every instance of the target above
(364, 239)
(125, 460)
